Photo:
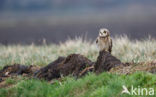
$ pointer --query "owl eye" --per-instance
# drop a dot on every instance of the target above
(104, 31)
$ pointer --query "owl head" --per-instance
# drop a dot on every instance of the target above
(103, 32)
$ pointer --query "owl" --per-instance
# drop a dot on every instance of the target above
(104, 41)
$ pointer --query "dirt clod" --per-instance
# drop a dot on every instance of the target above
(73, 64)
(105, 62)
(17, 69)
(50, 71)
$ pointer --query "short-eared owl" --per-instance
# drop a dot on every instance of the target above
(104, 41)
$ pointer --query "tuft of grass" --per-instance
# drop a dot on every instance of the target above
(134, 51)
(10, 81)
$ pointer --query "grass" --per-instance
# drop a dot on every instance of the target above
(103, 85)
(123, 48)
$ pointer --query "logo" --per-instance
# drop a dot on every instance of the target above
(137, 91)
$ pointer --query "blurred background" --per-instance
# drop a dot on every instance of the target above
(32, 21)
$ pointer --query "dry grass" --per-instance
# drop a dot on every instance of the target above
(123, 48)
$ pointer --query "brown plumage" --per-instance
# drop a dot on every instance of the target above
(104, 41)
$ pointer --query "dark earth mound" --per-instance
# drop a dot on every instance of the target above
(50, 71)
(73, 64)
(76, 65)
(17, 69)
(105, 62)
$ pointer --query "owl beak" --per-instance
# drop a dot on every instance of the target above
(104, 36)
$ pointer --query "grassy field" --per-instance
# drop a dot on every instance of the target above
(103, 85)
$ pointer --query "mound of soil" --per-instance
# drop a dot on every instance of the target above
(105, 62)
(17, 69)
(74, 64)
(50, 71)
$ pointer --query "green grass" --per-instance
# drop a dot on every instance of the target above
(103, 85)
